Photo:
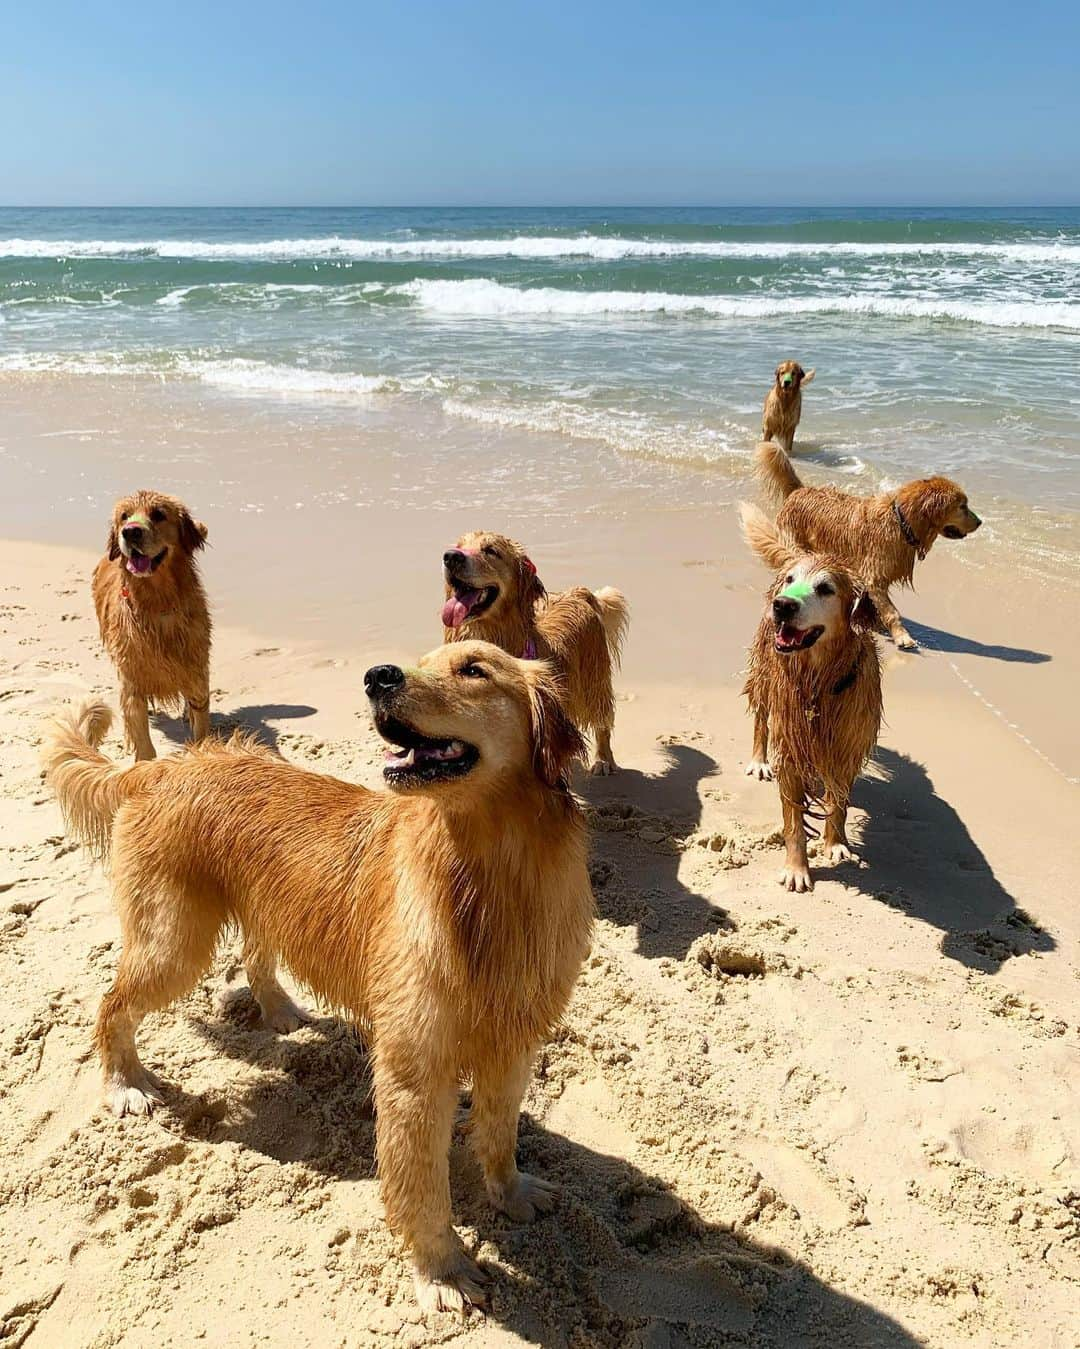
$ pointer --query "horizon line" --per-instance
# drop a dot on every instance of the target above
(544, 206)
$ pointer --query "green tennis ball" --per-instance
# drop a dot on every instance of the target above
(787, 379)
(797, 590)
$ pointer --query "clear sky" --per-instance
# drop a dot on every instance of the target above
(475, 102)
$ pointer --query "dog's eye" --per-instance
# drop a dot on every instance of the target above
(123, 517)
(824, 589)
(157, 515)
(472, 671)
(788, 580)
(488, 551)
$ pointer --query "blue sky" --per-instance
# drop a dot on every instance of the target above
(519, 103)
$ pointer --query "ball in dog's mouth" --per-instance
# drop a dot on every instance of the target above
(789, 638)
(417, 759)
(466, 602)
(140, 564)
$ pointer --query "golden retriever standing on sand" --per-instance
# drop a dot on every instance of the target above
(880, 538)
(814, 687)
(493, 594)
(783, 404)
(151, 610)
(450, 915)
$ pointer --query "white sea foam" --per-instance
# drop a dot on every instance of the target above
(598, 247)
(490, 299)
(237, 374)
(626, 431)
(261, 377)
(73, 363)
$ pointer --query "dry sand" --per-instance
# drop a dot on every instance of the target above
(842, 1119)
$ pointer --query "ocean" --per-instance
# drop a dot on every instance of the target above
(943, 340)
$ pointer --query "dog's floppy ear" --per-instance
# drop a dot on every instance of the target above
(556, 740)
(864, 614)
(531, 584)
(530, 589)
(776, 374)
(192, 533)
(112, 543)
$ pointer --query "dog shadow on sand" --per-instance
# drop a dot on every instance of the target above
(623, 1258)
(921, 859)
(937, 639)
(635, 818)
(254, 720)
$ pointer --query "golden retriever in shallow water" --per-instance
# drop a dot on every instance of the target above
(880, 538)
(494, 594)
(449, 915)
(814, 688)
(151, 610)
(783, 404)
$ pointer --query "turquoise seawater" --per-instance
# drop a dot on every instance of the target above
(943, 340)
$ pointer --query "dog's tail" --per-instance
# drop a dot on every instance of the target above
(763, 537)
(774, 470)
(90, 787)
(615, 613)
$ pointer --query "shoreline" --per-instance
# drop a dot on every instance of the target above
(668, 462)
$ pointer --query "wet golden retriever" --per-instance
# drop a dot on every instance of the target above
(449, 915)
(151, 609)
(494, 594)
(880, 538)
(814, 688)
(783, 404)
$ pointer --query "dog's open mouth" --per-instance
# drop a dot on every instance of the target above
(141, 564)
(417, 759)
(790, 638)
(951, 532)
(466, 603)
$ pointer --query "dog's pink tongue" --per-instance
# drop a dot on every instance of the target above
(458, 607)
(138, 566)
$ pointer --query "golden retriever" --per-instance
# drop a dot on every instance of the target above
(783, 404)
(879, 538)
(814, 688)
(494, 594)
(151, 609)
(449, 915)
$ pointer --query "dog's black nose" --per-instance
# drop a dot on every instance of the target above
(381, 679)
(784, 608)
(451, 556)
(977, 523)
(133, 533)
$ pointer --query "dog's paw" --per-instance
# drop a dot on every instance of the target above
(135, 1096)
(839, 852)
(524, 1197)
(905, 641)
(758, 768)
(454, 1285)
(796, 879)
(284, 1016)
(602, 768)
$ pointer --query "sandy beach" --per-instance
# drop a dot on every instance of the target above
(840, 1119)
